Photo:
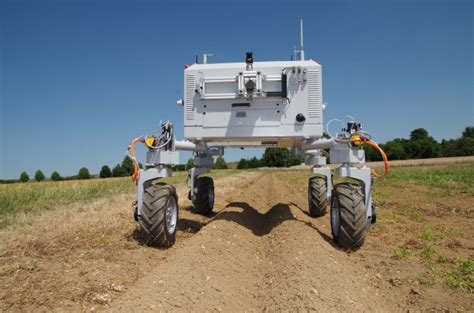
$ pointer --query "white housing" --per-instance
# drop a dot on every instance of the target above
(239, 104)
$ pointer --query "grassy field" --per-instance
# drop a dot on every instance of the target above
(442, 178)
(31, 198)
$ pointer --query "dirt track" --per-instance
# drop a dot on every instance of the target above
(260, 252)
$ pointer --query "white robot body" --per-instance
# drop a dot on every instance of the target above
(261, 104)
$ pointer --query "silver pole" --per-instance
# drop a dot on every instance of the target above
(301, 40)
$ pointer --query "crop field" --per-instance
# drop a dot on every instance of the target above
(73, 246)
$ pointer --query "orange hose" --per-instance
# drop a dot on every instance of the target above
(134, 157)
(384, 156)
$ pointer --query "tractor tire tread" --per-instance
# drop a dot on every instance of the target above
(201, 192)
(318, 199)
(353, 224)
(153, 215)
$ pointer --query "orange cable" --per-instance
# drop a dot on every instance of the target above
(134, 157)
(384, 156)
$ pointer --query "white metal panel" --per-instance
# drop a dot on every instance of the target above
(314, 93)
(242, 118)
(189, 87)
(221, 110)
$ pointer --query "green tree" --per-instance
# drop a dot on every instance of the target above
(253, 162)
(468, 132)
(39, 176)
(127, 165)
(220, 163)
(418, 134)
(24, 177)
(243, 164)
(449, 148)
(118, 171)
(55, 176)
(105, 172)
(466, 142)
(83, 173)
(276, 157)
(190, 163)
(421, 145)
(371, 154)
(462, 146)
(178, 167)
(295, 160)
(396, 149)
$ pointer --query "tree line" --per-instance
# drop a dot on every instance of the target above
(120, 170)
(421, 145)
(55, 176)
(219, 164)
(272, 157)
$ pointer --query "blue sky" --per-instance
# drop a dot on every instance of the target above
(80, 79)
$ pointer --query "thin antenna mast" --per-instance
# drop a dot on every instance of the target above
(301, 41)
(205, 57)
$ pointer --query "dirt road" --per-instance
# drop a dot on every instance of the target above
(261, 252)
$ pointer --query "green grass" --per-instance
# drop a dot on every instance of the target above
(428, 280)
(32, 197)
(442, 259)
(428, 253)
(444, 178)
(401, 253)
(35, 197)
(433, 233)
(462, 275)
(429, 234)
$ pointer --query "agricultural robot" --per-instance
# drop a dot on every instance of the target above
(256, 104)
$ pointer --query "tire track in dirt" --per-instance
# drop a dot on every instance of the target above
(261, 252)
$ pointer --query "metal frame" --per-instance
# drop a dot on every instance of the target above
(226, 105)
(146, 177)
(352, 160)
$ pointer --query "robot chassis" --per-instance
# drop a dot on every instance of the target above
(261, 104)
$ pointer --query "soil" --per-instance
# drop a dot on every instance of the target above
(259, 251)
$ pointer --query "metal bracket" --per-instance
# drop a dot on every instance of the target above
(203, 162)
(314, 157)
(144, 179)
(162, 157)
(363, 174)
(193, 174)
(326, 172)
(344, 153)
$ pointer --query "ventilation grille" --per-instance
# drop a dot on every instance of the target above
(189, 101)
(314, 94)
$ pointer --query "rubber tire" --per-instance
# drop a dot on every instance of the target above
(201, 202)
(348, 201)
(153, 228)
(317, 196)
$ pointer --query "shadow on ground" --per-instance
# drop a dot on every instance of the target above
(259, 224)
(262, 224)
